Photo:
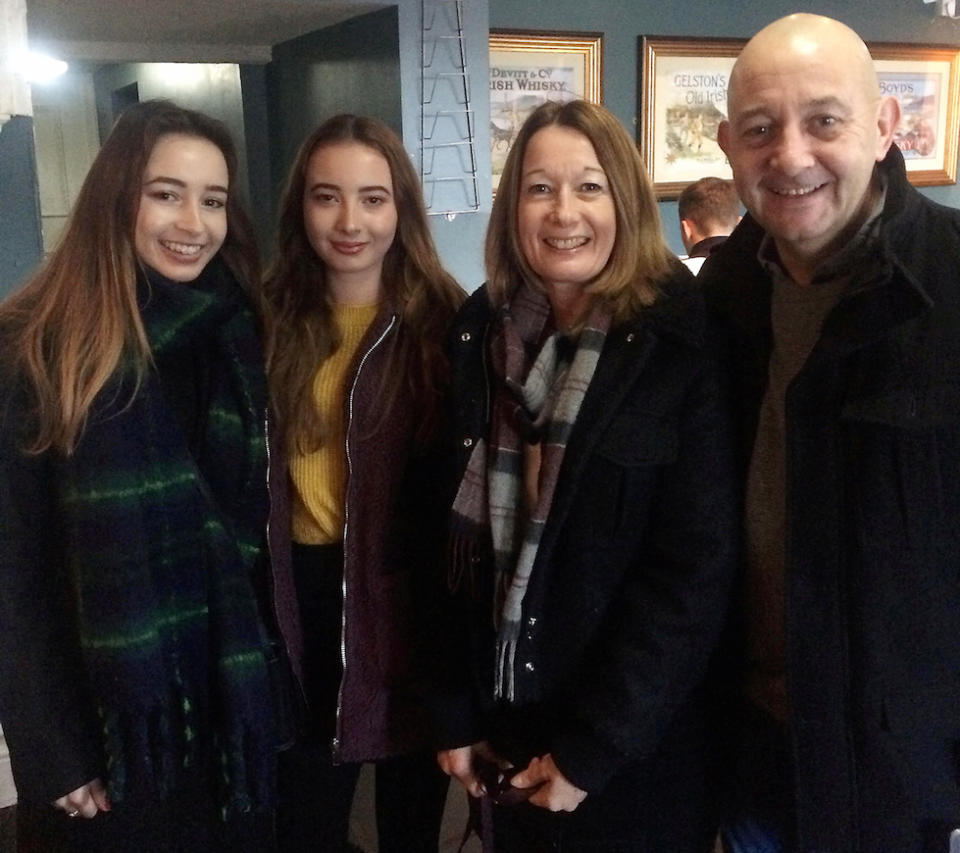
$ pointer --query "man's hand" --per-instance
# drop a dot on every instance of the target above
(554, 791)
(85, 801)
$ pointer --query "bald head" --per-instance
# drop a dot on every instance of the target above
(802, 39)
(806, 127)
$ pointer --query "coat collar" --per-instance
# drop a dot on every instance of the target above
(707, 246)
(739, 289)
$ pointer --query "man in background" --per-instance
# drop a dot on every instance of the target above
(709, 210)
(838, 305)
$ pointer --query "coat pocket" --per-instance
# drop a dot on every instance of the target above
(622, 475)
(921, 713)
(640, 439)
(903, 449)
(910, 408)
(916, 757)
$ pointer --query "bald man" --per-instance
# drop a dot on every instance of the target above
(838, 304)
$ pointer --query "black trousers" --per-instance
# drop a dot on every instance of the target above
(315, 794)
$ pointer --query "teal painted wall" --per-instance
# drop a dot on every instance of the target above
(21, 242)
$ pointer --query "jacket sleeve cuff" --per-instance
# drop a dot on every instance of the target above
(42, 776)
(584, 761)
(456, 721)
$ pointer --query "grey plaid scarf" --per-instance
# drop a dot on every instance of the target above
(536, 402)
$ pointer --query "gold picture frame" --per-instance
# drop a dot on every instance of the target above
(528, 68)
(682, 100)
(925, 79)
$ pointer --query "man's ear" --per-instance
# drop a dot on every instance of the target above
(723, 137)
(686, 227)
(888, 117)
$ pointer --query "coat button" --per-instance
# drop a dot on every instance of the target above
(532, 621)
(630, 337)
(465, 337)
(467, 442)
(528, 666)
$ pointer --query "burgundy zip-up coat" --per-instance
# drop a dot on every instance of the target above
(394, 539)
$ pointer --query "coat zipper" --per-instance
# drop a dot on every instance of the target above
(335, 744)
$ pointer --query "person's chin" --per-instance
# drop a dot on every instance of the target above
(182, 272)
(796, 225)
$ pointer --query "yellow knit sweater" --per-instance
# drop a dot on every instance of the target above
(320, 478)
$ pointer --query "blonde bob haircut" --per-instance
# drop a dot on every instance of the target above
(640, 258)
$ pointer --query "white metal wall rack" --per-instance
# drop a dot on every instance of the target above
(448, 155)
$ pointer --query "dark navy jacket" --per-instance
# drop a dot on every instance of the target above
(873, 528)
(631, 579)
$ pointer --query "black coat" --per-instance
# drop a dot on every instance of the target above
(630, 584)
(873, 528)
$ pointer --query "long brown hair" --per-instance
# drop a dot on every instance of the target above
(640, 258)
(67, 329)
(300, 329)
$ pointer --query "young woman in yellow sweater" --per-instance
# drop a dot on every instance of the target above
(358, 310)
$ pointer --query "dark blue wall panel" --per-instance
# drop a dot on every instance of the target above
(21, 243)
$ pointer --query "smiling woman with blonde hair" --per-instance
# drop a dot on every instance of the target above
(593, 527)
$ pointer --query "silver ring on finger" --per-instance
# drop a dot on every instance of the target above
(74, 813)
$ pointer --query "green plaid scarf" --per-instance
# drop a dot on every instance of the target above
(162, 543)
(537, 400)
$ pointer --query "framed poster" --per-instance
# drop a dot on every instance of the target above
(683, 99)
(529, 68)
(924, 79)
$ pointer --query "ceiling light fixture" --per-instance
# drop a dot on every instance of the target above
(37, 67)
(945, 8)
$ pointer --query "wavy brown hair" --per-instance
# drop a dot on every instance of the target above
(640, 257)
(300, 329)
(66, 331)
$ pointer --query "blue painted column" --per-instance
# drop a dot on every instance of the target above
(21, 242)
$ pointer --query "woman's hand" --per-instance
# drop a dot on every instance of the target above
(554, 791)
(461, 764)
(86, 801)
